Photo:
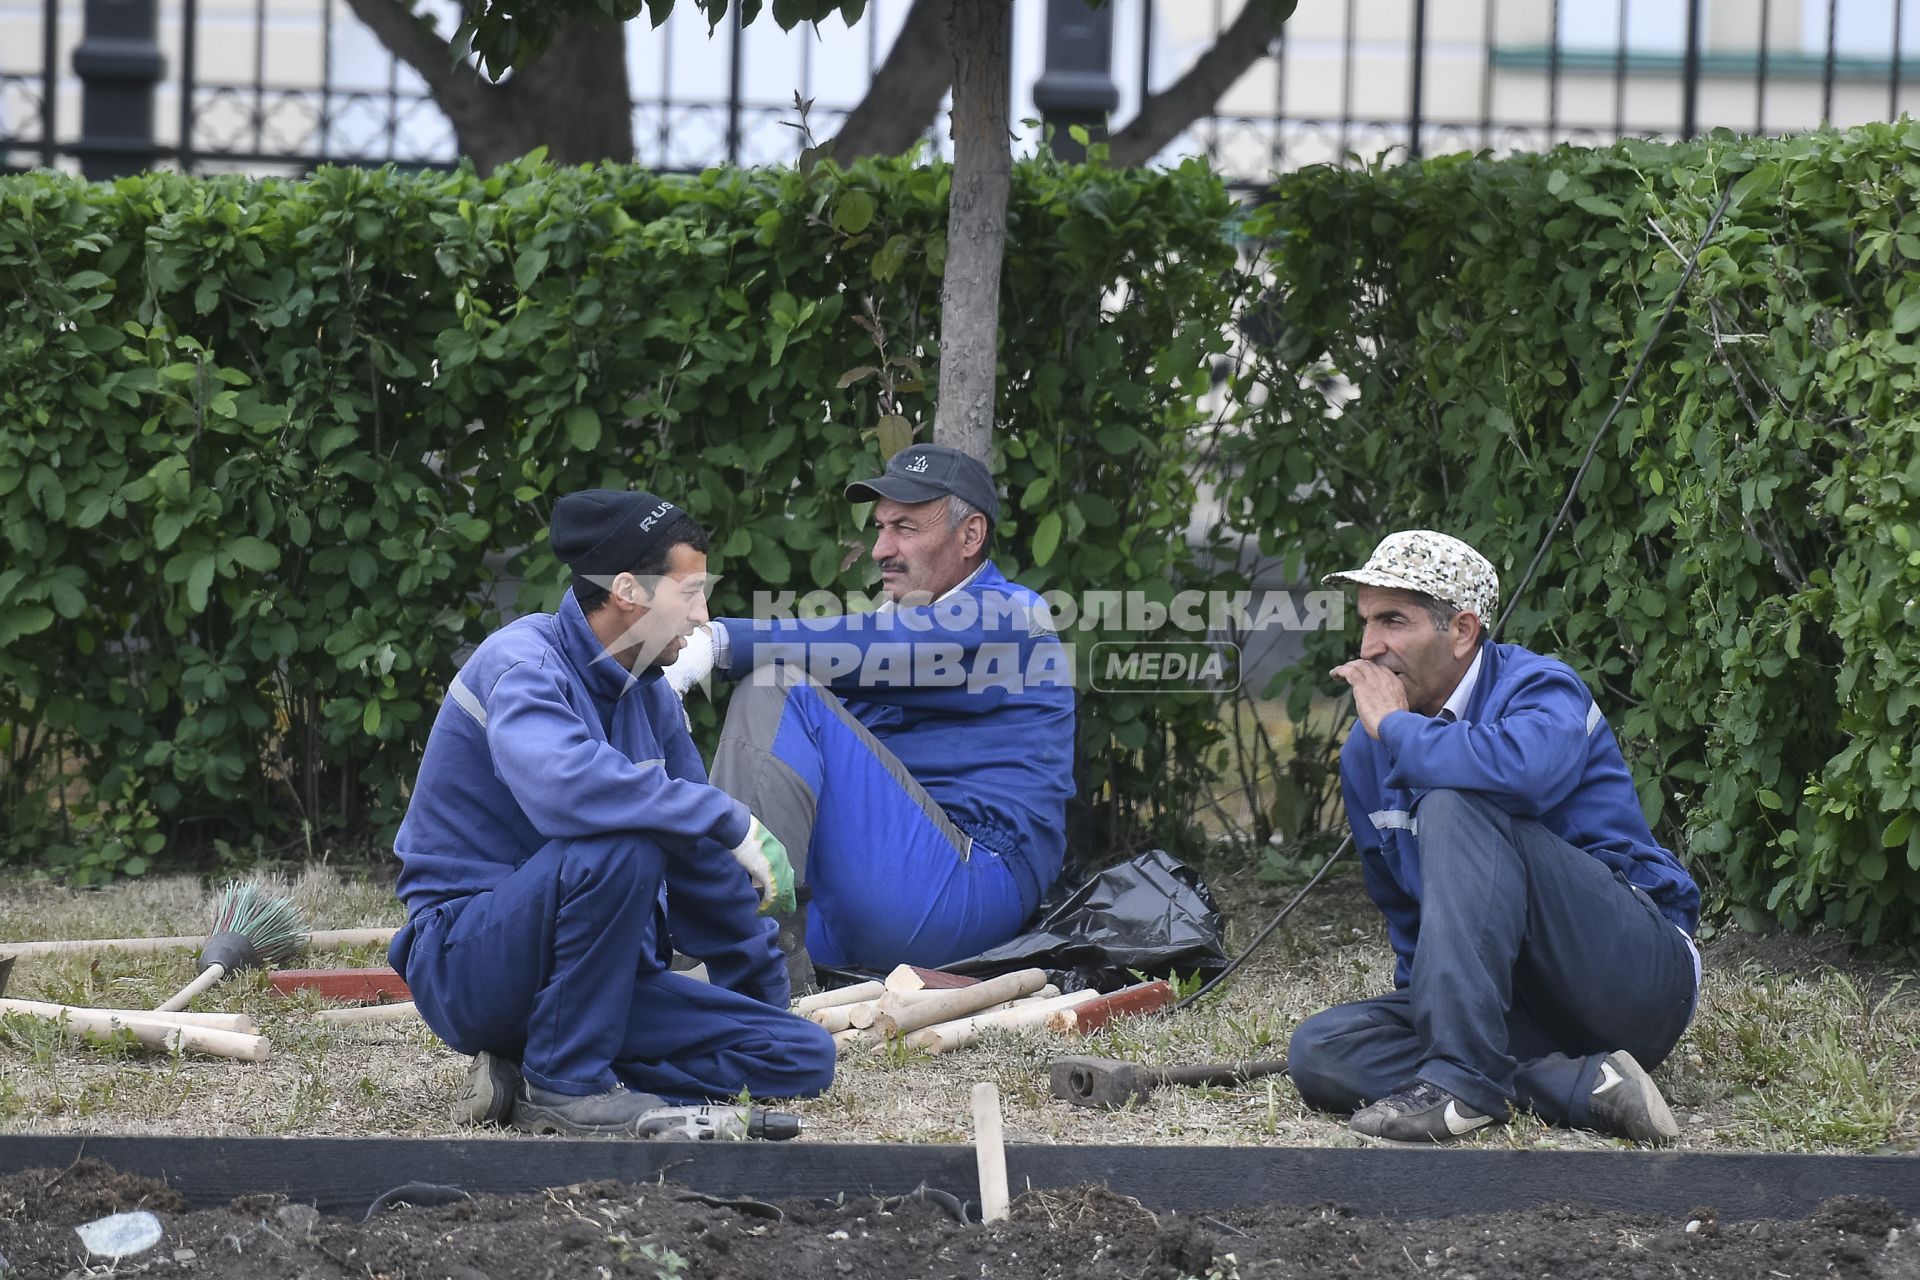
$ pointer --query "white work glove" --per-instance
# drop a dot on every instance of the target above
(765, 859)
(693, 664)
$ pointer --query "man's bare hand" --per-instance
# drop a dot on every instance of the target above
(1377, 692)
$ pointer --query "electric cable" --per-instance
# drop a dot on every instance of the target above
(1526, 578)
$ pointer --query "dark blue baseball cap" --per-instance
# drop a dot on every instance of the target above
(923, 472)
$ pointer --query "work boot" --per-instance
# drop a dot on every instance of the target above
(486, 1096)
(792, 941)
(1417, 1115)
(615, 1112)
(1627, 1104)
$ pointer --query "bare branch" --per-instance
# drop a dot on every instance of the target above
(906, 90)
(1166, 114)
(457, 88)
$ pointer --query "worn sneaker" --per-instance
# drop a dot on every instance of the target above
(616, 1111)
(1418, 1114)
(1627, 1104)
(487, 1095)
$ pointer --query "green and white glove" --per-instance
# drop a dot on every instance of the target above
(765, 860)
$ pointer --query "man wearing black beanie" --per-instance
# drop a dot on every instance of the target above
(562, 841)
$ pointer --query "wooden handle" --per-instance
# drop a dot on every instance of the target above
(217, 1021)
(1228, 1073)
(158, 1033)
(911, 977)
(372, 1013)
(840, 995)
(190, 942)
(1095, 1014)
(900, 1013)
(948, 1036)
(184, 996)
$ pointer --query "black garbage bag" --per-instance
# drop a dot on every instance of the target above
(1151, 914)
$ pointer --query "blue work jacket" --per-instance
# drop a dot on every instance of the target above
(1532, 740)
(973, 693)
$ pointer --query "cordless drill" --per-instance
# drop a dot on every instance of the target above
(717, 1123)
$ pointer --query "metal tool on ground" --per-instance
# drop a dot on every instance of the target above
(1106, 1083)
(715, 1122)
(249, 928)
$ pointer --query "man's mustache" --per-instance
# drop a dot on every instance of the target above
(893, 566)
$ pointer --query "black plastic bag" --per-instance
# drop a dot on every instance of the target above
(1149, 915)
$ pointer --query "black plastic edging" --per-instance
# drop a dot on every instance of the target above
(343, 1175)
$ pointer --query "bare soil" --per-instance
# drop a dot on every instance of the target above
(658, 1231)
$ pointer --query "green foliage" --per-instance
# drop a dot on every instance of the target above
(275, 451)
(510, 33)
(1738, 578)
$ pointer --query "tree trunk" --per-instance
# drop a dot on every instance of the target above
(906, 90)
(574, 97)
(1165, 115)
(976, 225)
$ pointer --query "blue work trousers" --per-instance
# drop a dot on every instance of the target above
(893, 880)
(1534, 961)
(559, 967)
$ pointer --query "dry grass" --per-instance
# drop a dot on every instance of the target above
(1790, 1051)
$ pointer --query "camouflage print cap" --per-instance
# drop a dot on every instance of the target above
(1433, 564)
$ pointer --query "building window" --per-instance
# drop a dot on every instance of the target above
(1652, 26)
(1861, 28)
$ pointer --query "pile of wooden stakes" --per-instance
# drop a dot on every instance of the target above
(939, 1012)
(220, 1035)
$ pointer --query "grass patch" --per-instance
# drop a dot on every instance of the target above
(1791, 1050)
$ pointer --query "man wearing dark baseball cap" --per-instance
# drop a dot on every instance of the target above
(915, 760)
(925, 472)
(559, 795)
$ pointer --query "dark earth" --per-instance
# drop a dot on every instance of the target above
(661, 1232)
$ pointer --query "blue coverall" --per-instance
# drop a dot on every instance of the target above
(918, 771)
(1536, 923)
(561, 840)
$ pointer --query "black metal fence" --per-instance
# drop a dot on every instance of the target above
(203, 85)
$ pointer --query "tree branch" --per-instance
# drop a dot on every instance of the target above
(1166, 114)
(457, 88)
(906, 90)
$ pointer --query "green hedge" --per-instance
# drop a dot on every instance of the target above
(260, 438)
(1739, 579)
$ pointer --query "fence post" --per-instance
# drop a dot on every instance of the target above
(1076, 83)
(118, 61)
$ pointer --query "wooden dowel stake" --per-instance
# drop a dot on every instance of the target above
(990, 1152)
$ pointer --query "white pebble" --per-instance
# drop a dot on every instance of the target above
(121, 1234)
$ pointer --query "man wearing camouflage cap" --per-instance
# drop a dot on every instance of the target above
(1542, 937)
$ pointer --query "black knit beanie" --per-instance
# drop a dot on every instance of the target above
(598, 533)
